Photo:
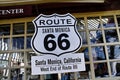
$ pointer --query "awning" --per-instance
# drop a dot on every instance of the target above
(24, 2)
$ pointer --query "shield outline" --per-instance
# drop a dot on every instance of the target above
(36, 30)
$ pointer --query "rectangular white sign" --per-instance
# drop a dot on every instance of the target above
(49, 64)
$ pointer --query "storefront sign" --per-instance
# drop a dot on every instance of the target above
(12, 11)
(57, 38)
(15, 11)
(55, 34)
(49, 64)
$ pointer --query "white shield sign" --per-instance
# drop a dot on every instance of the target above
(55, 34)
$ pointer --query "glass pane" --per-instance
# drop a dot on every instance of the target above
(4, 44)
(30, 27)
(4, 74)
(118, 20)
(84, 74)
(18, 43)
(114, 51)
(92, 37)
(108, 21)
(83, 36)
(111, 36)
(51, 77)
(101, 70)
(65, 76)
(115, 68)
(17, 74)
(117, 51)
(4, 60)
(29, 54)
(85, 51)
(119, 33)
(17, 59)
(80, 23)
(29, 42)
(93, 22)
(18, 28)
(72, 76)
(4, 29)
(31, 77)
(98, 53)
(99, 37)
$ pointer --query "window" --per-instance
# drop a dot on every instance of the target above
(102, 45)
(100, 33)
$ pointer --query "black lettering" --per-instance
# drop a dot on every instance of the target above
(43, 62)
(56, 21)
(49, 22)
(62, 29)
(44, 69)
(63, 20)
(48, 30)
(66, 67)
(42, 22)
(68, 21)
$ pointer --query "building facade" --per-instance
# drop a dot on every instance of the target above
(98, 24)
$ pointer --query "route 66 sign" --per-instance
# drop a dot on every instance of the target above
(55, 34)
